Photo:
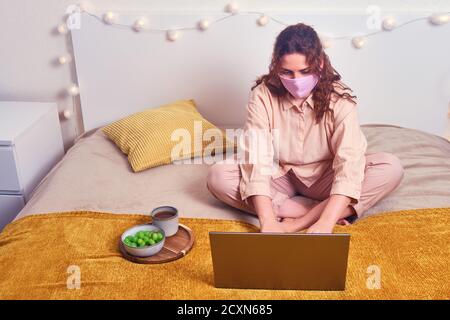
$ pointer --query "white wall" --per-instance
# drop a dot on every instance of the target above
(29, 44)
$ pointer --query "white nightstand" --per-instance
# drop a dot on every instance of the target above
(30, 145)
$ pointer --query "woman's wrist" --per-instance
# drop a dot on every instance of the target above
(263, 207)
(266, 216)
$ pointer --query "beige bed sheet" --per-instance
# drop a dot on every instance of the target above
(95, 175)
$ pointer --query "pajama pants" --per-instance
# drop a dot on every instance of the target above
(382, 174)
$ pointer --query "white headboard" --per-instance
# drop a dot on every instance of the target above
(401, 77)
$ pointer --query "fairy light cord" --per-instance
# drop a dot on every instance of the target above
(387, 24)
(345, 37)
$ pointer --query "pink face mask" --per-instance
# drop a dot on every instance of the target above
(300, 87)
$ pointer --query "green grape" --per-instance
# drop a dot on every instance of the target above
(141, 235)
(155, 236)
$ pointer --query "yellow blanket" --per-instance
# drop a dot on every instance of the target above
(41, 257)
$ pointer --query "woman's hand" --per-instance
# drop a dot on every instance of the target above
(263, 207)
(271, 225)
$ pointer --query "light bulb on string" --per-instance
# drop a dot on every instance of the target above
(203, 24)
(140, 24)
(389, 23)
(262, 20)
(109, 17)
(73, 90)
(359, 42)
(232, 8)
(62, 28)
(173, 35)
(439, 18)
(66, 58)
(85, 6)
(326, 42)
(67, 114)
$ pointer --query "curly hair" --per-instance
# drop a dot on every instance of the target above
(303, 39)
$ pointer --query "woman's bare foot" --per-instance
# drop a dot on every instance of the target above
(295, 225)
(273, 225)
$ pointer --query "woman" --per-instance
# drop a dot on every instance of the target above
(320, 146)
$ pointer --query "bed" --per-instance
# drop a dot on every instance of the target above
(95, 161)
(76, 215)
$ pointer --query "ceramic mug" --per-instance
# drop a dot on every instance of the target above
(166, 218)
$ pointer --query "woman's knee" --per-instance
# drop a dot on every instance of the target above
(393, 170)
(217, 177)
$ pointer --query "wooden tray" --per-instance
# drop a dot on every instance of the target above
(175, 247)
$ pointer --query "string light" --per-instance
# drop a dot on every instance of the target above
(389, 23)
(109, 17)
(140, 24)
(173, 35)
(85, 6)
(73, 90)
(67, 114)
(263, 20)
(232, 8)
(358, 42)
(62, 28)
(65, 59)
(326, 42)
(203, 24)
(439, 18)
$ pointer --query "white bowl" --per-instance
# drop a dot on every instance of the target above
(145, 251)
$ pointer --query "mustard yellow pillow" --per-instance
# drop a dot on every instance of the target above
(161, 135)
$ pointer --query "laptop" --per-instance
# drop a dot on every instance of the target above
(300, 261)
